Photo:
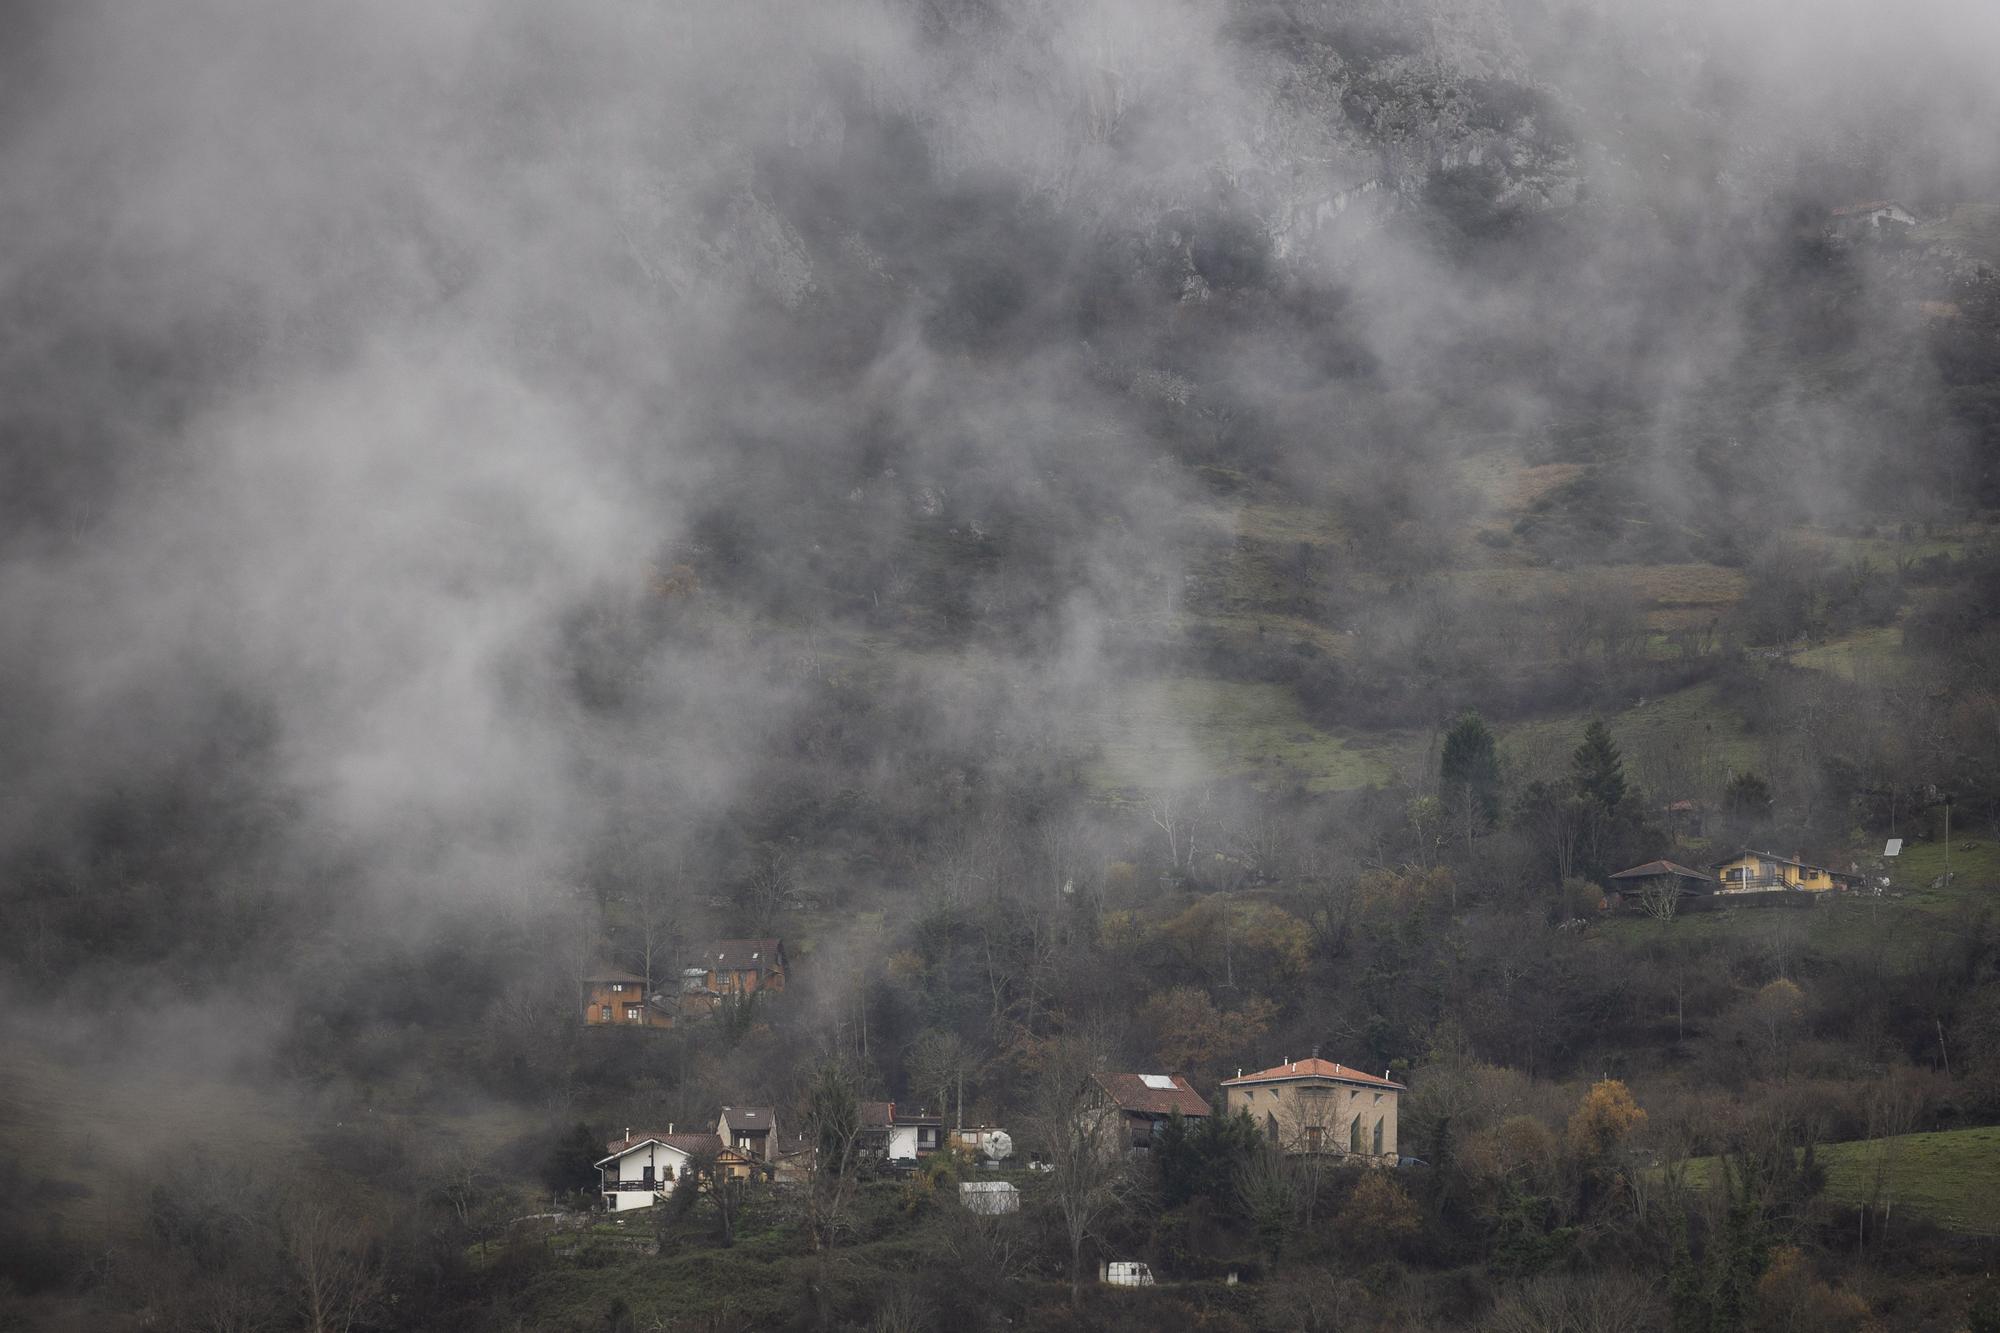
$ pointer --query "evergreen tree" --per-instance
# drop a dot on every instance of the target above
(1596, 769)
(1471, 764)
(570, 1165)
(1747, 798)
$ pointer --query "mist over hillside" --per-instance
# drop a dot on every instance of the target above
(494, 488)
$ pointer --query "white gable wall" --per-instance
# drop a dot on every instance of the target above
(630, 1170)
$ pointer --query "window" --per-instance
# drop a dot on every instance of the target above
(604, 1014)
(1378, 1138)
(1354, 1135)
(617, 986)
(611, 1201)
(631, 1013)
(1314, 1135)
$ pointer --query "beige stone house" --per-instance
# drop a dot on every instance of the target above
(1318, 1106)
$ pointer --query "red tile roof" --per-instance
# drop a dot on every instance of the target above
(1653, 869)
(1313, 1068)
(1130, 1093)
(877, 1115)
(606, 972)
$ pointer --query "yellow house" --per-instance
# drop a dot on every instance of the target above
(1763, 872)
(1318, 1106)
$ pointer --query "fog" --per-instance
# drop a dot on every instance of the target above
(463, 458)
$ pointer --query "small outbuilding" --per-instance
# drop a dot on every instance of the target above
(990, 1198)
(1658, 885)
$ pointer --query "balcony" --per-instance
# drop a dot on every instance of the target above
(1760, 884)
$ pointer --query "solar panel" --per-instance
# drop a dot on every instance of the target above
(1159, 1081)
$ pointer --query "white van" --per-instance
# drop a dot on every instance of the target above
(1126, 1274)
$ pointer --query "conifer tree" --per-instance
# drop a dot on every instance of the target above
(1470, 766)
(1596, 769)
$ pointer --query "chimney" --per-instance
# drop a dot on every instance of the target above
(670, 1126)
(628, 1131)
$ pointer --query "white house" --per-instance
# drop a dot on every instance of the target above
(1872, 217)
(914, 1136)
(643, 1167)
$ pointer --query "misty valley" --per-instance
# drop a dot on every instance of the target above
(898, 665)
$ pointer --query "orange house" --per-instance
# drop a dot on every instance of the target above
(615, 997)
(743, 967)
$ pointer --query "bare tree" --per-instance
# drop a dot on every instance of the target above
(1660, 896)
(1892, 1107)
(938, 1063)
(331, 1261)
(1182, 815)
(1074, 1129)
(832, 1122)
(770, 886)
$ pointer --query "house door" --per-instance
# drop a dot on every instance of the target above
(646, 1177)
(1313, 1133)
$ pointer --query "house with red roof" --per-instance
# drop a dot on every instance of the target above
(1320, 1106)
(1132, 1107)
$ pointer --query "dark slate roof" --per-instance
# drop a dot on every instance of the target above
(1781, 860)
(742, 955)
(740, 1118)
(1130, 1093)
(687, 1143)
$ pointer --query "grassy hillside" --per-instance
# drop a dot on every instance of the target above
(1951, 1178)
(1187, 724)
(1969, 229)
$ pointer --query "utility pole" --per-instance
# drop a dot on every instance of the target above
(1228, 956)
(1947, 840)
